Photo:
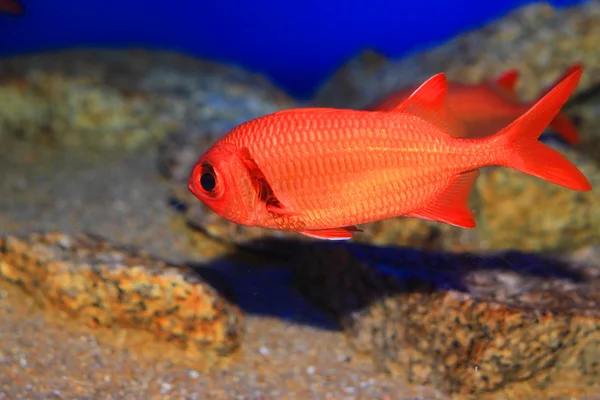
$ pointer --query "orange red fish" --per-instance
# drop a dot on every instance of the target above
(323, 171)
(10, 7)
(488, 106)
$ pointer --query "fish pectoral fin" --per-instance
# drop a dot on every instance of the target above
(508, 80)
(280, 210)
(452, 207)
(344, 233)
(264, 191)
(429, 103)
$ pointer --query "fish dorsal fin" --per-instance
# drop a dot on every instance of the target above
(505, 85)
(452, 206)
(508, 80)
(429, 102)
(263, 189)
(307, 110)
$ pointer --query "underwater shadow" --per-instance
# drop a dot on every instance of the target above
(302, 282)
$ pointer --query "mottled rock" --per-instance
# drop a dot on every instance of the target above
(89, 278)
(518, 211)
(507, 326)
(125, 98)
(539, 40)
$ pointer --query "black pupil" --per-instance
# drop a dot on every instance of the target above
(207, 181)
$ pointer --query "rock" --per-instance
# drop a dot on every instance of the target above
(125, 98)
(518, 211)
(89, 278)
(585, 111)
(511, 325)
(539, 40)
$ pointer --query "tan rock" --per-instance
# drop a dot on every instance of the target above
(509, 326)
(539, 40)
(125, 98)
(518, 211)
(107, 286)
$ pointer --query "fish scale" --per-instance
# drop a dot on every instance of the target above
(357, 167)
(322, 171)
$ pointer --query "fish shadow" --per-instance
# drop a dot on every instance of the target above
(320, 283)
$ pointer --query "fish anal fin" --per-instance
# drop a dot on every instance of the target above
(428, 101)
(344, 233)
(452, 206)
(264, 191)
(508, 80)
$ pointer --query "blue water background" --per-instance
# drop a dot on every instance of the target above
(297, 44)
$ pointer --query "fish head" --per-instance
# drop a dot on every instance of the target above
(223, 183)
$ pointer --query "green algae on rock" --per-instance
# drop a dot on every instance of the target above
(125, 98)
(507, 326)
(89, 278)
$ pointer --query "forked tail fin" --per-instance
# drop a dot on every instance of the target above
(562, 124)
(518, 145)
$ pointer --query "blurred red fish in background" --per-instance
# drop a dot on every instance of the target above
(322, 171)
(10, 7)
(487, 107)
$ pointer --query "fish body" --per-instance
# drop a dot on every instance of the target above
(322, 171)
(10, 7)
(487, 107)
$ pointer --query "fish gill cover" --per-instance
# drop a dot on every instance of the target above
(296, 43)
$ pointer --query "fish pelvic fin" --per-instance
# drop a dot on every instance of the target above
(521, 150)
(428, 101)
(452, 206)
(344, 233)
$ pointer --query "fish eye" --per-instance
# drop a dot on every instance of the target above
(208, 181)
